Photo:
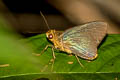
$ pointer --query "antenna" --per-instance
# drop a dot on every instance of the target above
(45, 20)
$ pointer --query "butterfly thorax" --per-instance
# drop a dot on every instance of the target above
(56, 38)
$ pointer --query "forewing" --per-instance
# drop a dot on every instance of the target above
(83, 40)
(97, 29)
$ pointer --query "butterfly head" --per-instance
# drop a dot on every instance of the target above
(50, 35)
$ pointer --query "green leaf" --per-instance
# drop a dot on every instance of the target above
(23, 64)
(107, 61)
(15, 56)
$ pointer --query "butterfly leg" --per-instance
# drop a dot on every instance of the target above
(53, 53)
(54, 57)
(43, 50)
(5, 65)
(79, 61)
(52, 60)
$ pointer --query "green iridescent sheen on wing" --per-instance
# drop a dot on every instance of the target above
(83, 40)
(83, 45)
(96, 29)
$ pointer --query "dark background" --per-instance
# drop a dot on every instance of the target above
(25, 16)
(30, 6)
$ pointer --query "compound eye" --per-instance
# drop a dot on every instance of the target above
(50, 36)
